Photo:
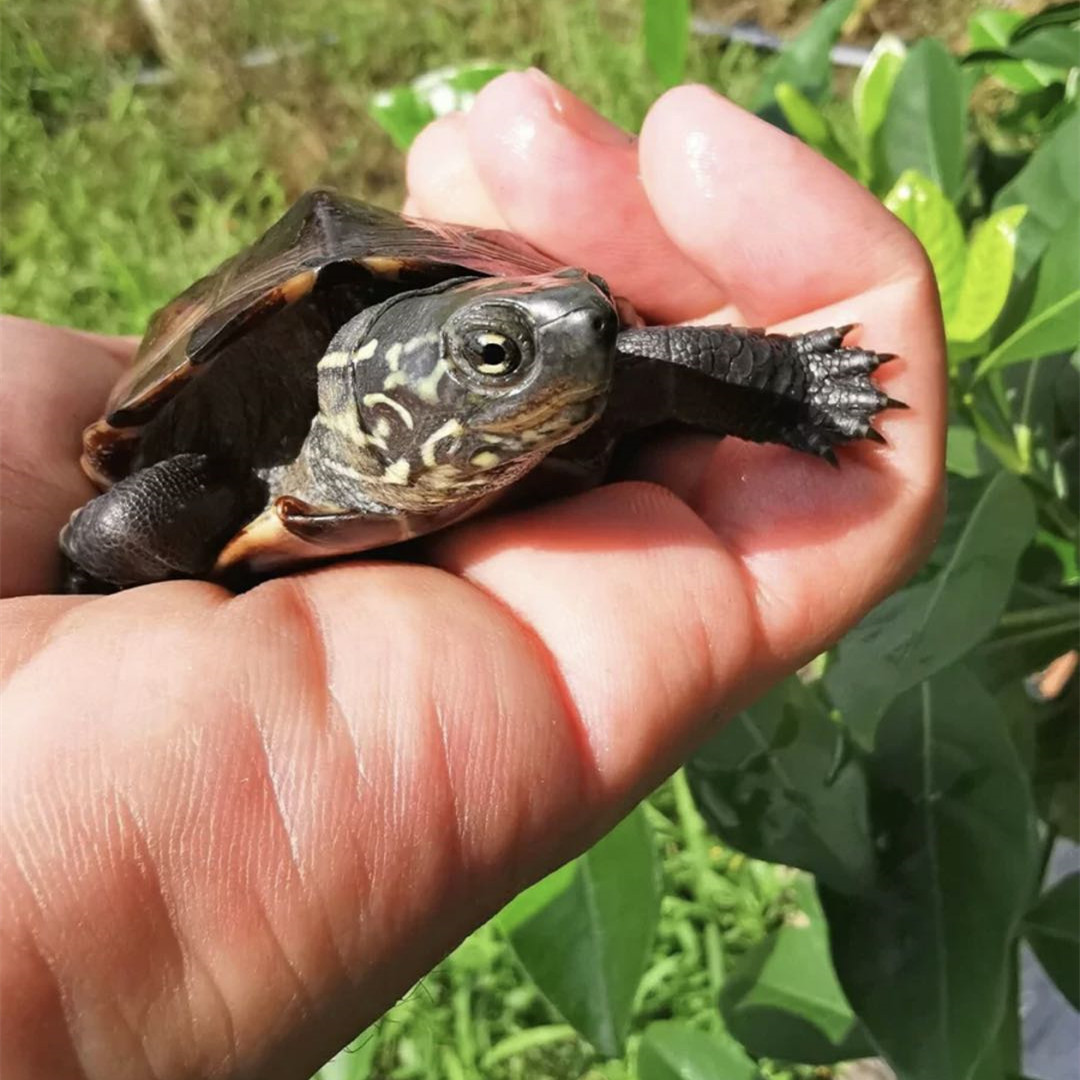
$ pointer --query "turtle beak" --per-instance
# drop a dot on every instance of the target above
(581, 339)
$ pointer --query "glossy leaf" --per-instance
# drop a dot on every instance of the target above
(1053, 320)
(1049, 186)
(666, 25)
(782, 1000)
(804, 61)
(964, 453)
(673, 1051)
(925, 627)
(403, 111)
(925, 123)
(779, 784)
(806, 119)
(987, 276)
(922, 206)
(988, 33)
(1056, 46)
(808, 122)
(925, 958)
(534, 899)
(1052, 929)
(1065, 14)
(874, 83)
(586, 948)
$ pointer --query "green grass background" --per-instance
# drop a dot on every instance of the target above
(115, 196)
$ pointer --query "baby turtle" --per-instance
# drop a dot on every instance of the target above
(356, 378)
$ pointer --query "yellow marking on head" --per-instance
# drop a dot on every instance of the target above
(451, 429)
(397, 472)
(367, 350)
(335, 360)
(427, 388)
(382, 427)
(345, 424)
(382, 399)
(484, 459)
(420, 341)
(393, 355)
(395, 378)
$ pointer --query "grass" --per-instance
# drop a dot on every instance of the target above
(117, 196)
(477, 1014)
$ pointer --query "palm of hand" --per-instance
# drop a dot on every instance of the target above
(276, 810)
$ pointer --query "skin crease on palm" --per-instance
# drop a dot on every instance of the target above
(235, 829)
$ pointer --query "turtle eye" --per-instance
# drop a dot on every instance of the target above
(490, 353)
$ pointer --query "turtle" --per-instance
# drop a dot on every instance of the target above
(357, 378)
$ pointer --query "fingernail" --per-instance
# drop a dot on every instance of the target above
(579, 117)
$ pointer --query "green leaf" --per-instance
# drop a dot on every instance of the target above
(586, 949)
(537, 897)
(989, 32)
(1055, 46)
(782, 1000)
(922, 206)
(925, 627)
(1053, 320)
(925, 123)
(874, 83)
(404, 111)
(925, 957)
(779, 784)
(987, 276)
(1052, 929)
(673, 1051)
(804, 61)
(666, 25)
(808, 122)
(806, 119)
(1066, 14)
(964, 453)
(1049, 186)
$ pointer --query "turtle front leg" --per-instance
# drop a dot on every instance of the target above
(167, 520)
(805, 391)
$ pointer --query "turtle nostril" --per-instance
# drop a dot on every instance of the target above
(603, 325)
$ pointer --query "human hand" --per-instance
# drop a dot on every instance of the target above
(235, 829)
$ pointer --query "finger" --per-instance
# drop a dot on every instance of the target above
(276, 811)
(818, 545)
(779, 229)
(565, 179)
(53, 382)
(442, 180)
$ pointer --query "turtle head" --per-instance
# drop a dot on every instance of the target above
(456, 391)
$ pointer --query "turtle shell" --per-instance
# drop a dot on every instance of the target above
(323, 229)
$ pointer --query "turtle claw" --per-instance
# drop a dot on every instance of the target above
(840, 397)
